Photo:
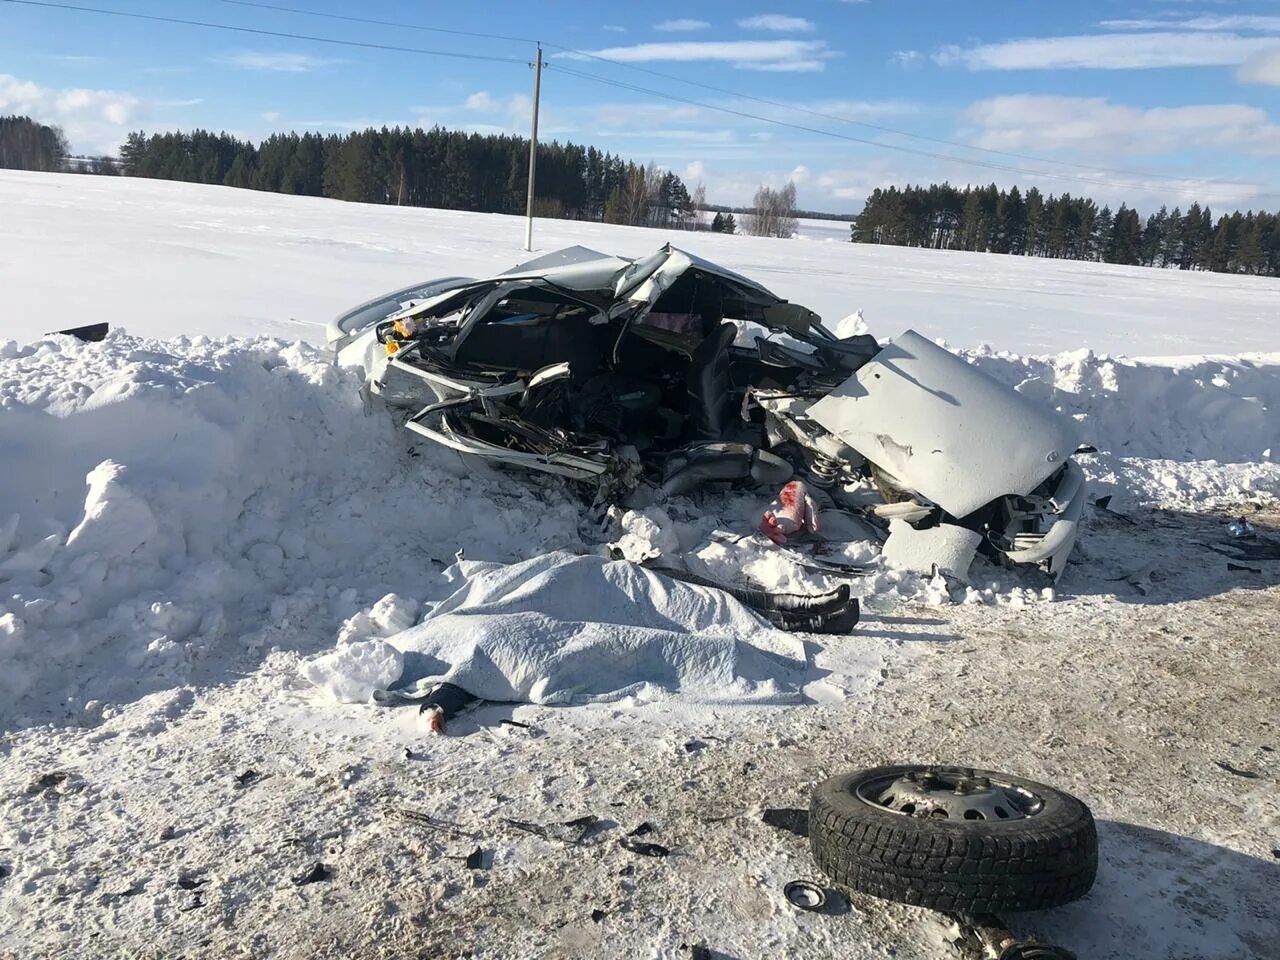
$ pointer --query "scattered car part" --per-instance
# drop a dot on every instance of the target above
(317, 873)
(90, 333)
(643, 830)
(989, 939)
(953, 838)
(643, 848)
(1103, 505)
(475, 859)
(1240, 527)
(946, 548)
(677, 372)
(1241, 568)
(1247, 774)
(571, 832)
(805, 895)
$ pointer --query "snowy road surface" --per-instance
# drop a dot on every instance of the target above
(192, 512)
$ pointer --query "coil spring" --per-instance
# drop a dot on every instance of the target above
(823, 470)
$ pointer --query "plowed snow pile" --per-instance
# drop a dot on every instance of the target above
(176, 504)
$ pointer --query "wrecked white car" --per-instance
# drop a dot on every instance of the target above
(673, 372)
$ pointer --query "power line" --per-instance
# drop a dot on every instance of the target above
(256, 4)
(266, 33)
(1188, 191)
(867, 124)
(376, 23)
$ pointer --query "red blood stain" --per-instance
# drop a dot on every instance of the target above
(789, 494)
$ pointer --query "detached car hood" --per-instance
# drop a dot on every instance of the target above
(945, 429)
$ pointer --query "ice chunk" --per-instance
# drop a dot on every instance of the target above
(385, 618)
(946, 547)
(352, 672)
(116, 520)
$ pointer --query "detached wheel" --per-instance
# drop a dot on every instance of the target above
(953, 839)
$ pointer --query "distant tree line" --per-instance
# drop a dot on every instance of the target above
(988, 219)
(424, 168)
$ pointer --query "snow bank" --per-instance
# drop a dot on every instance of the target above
(1191, 431)
(171, 509)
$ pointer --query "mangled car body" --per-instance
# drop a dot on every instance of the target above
(672, 371)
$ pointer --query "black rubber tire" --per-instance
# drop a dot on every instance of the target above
(956, 866)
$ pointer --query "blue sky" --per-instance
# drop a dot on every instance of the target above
(1161, 101)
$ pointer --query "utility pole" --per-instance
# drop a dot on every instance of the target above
(533, 151)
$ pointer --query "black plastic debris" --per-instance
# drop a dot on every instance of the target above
(642, 848)
(514, 723)
(246, 777)
(190, 883)
(317, 873)
(643, 830)
(1241, 568)
(791, 819)
(475, 859)
(195, 904)
(597, 915)
(4, 870)
(570, 832)
(699, 951)
(1247, 774)
(1089, 448)
(694, 745)
(90, 333)
(1103, 505)
(1275, 852)
(408, 753)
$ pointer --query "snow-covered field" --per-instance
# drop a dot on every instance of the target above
(196, 509)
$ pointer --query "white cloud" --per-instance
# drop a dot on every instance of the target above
(93, 120)
(907, 58)
(480, 101)
(613, 28)
(271, 116)
(777, 22)
(1261, 68)
(1114, 51)
(1254, 23)
(775, 55)
(273, 61)
(683, 25)
(1098, 129)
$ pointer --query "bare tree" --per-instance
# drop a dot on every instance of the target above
(634, 202)
(697, 200)
(773, 212)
